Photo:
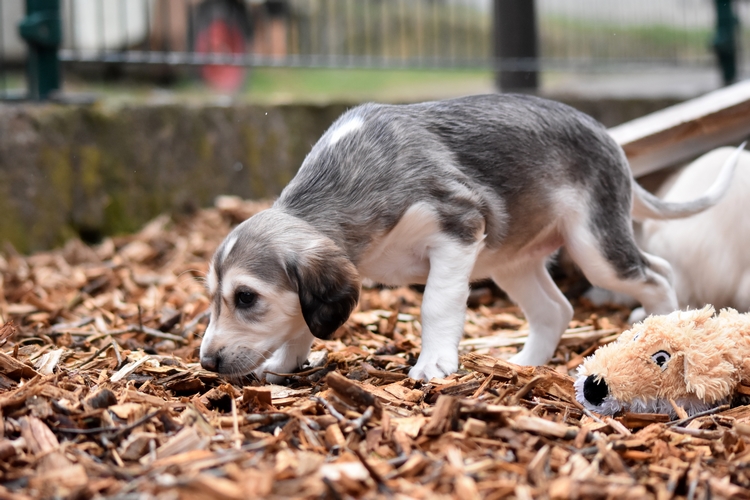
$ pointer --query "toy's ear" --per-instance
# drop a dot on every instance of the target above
(711, 378)
(328, 288)
(711, 359)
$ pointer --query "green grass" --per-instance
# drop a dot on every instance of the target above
(564, 37)
(12, 81)
(356, 85)
(301, 85)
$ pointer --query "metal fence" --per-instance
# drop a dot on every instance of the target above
(579, 35)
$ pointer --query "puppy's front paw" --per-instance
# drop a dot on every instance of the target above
(530, 357)
(429, 367)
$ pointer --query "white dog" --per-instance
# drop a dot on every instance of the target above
(709, 252)
(439, 193)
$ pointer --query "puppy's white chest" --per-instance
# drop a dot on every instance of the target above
(401, 256)
(396, 267)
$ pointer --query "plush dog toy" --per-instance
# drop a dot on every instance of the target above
(690, 359)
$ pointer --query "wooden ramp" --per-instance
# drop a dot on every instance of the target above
(681, 132)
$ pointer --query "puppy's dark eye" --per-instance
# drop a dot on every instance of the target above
(661, 358)
(244, 299)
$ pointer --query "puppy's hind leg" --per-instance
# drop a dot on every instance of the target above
(444, 307)
(545, 307)
(612, 260)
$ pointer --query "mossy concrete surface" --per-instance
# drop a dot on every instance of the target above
(86, 170)
(92, 171)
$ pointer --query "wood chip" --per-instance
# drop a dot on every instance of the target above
(15, 369)
(128, 369)
(352, 392)
(543, 427)
(262, 395)
(7, 331)
(475, 427)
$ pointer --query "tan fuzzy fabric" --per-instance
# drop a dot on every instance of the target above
(694, 358)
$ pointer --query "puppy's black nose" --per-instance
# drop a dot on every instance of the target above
(595, 391)
(211, 362)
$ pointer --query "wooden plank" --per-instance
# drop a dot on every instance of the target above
(683, 131)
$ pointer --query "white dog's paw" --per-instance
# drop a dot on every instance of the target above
(637, 315)
(430, 367)
(600, 297)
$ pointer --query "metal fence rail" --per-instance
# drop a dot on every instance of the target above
(580, 35)
(319, 33)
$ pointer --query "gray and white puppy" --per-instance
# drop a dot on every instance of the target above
(440, 193)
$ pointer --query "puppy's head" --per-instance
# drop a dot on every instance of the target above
(274, 283)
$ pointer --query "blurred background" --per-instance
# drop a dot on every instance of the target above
(321, 50)
(115, 111)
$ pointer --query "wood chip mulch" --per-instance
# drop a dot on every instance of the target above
(102, 396)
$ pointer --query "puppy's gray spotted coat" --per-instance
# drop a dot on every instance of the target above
(476, 187)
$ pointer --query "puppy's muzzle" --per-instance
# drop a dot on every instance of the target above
(211, 362)
(594, 391)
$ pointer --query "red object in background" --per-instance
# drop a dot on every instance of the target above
(221, 36)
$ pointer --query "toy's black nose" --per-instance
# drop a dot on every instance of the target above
(595, 391)
(211, 362)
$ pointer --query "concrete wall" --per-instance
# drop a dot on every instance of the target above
(92, 171)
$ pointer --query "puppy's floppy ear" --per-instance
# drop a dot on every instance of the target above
(328, 287)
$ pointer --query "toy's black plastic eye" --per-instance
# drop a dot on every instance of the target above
(244, 299)
(661, 358)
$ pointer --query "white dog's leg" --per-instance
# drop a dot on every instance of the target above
(444, 308)
(600, 297)
(545, 307)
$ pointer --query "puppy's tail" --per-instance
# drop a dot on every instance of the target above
(648, 206)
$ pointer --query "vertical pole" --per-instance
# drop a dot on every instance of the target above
(515, 45)
(42, 30)
(2, 56)
(725, 40)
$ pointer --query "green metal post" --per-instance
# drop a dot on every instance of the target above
(515, 42)
(725, 40)
(42, 30)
